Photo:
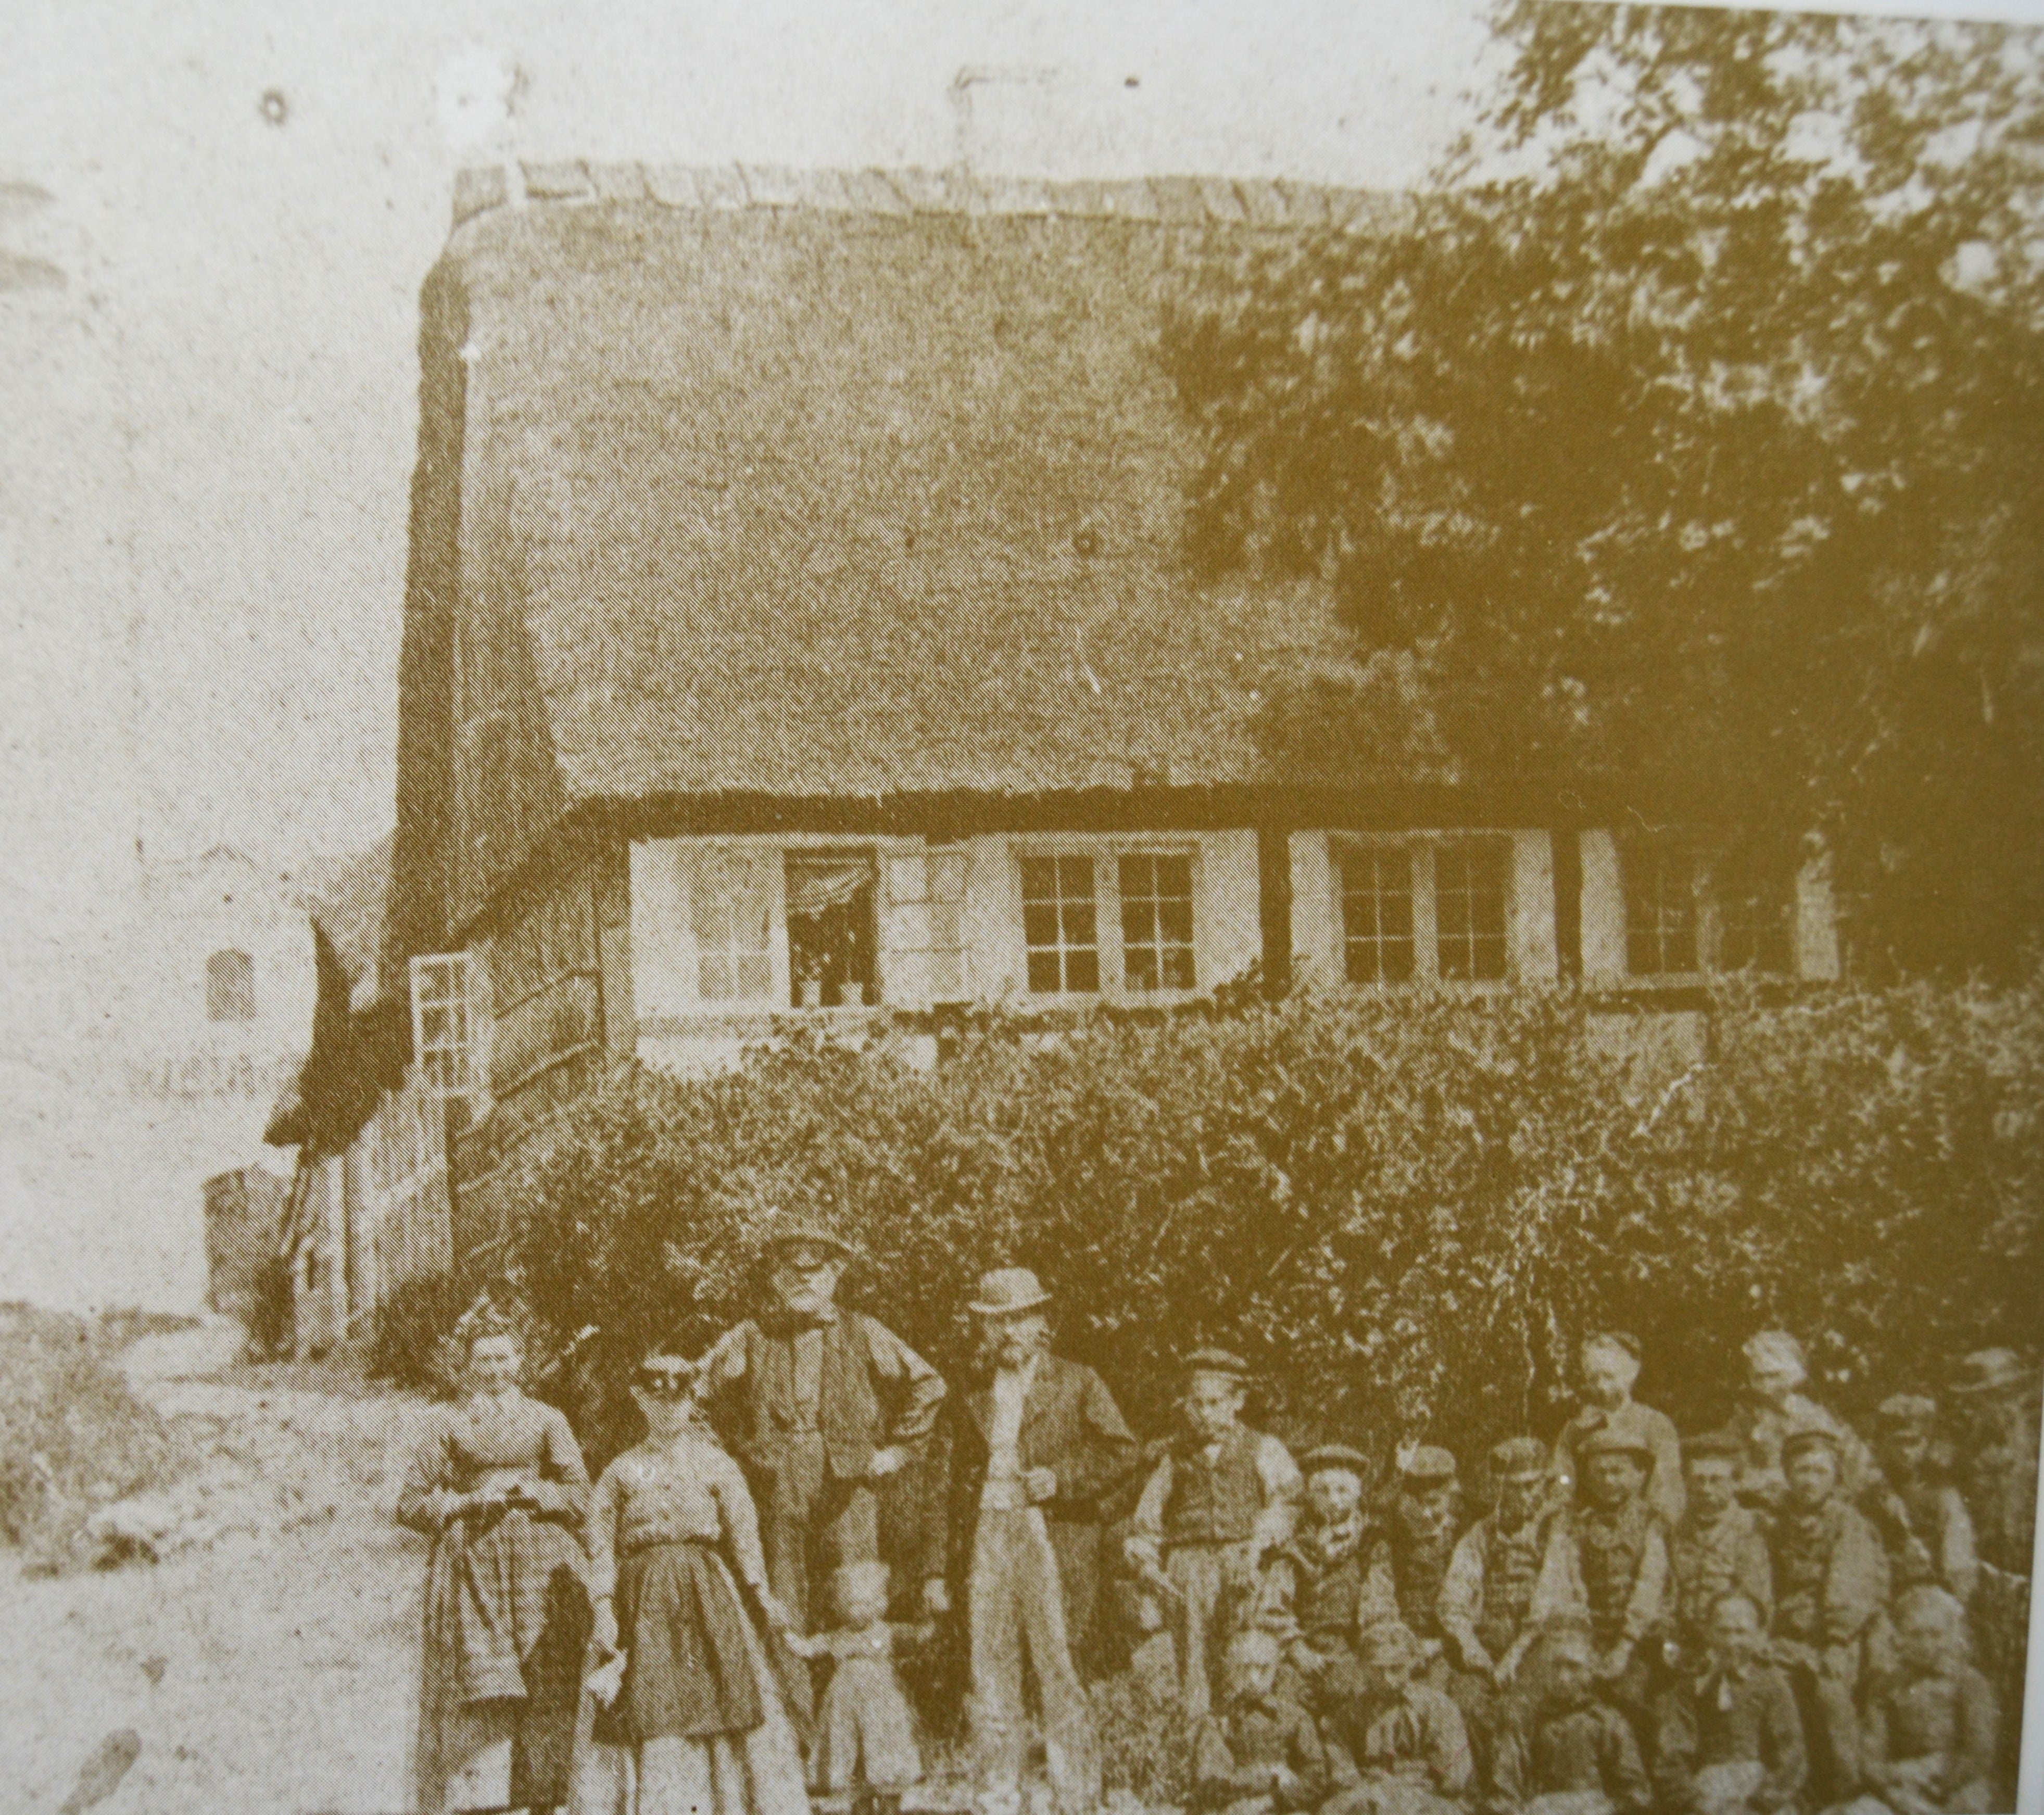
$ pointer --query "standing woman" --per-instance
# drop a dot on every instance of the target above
(695, 1711)
(498, 1484)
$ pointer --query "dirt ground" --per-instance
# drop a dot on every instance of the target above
(269, 1662)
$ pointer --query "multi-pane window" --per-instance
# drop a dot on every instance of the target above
(1754, 913)
(1469, 909)
(1059, 925)
(1156, 921)
(1376, 913)
(1660, 908)
(731, 907)
(450, 1024)
(230, 987)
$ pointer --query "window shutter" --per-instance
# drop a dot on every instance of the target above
(923, 930)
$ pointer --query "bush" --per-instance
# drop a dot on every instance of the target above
(1404, 1210)
(73, 1438)
(413, 1343)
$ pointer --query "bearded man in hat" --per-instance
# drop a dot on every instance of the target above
(1028, 1458)
(1487, 1595)
(1717, 1549)
(1610, 1362)
(1409, 1561)
(1222, 1499)
(821, 1405)
(1311, 1597)
(1775, 1406)
(1607, 1564)
(1830, 1587)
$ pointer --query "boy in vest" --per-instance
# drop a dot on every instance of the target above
(1487, 1592)
(1222, 1499)
(1930, 1734)
(1610, 1362)
(1830, 1585)
(1311, 1596)
(1918, 1510)
(1717, 1549)
(1258, 1753)
(1394, 1745)
(1409, 1561)
(1727, 1740)
(819, 1405)
(1573, 1753)
(1607, 1565)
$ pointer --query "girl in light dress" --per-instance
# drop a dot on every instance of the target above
(866, 1737)
(692, 1723)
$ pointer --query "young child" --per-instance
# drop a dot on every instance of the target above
(1727, 1740)
(1718, 1548)
(1928, 1743)
(1395, 1746)
(865, 1736)
(1610, 1363)
(1574, 1754)
(1312, 1591)
(1258, 1753)
(1223, 1497)
(1409, 1563)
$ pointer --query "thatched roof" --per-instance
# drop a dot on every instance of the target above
(814, 488)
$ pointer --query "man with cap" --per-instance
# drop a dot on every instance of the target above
(1028, 1458)
(1919, 1512)
(1395, 1745)
(1718, 1548)
(1487, 1595)
(820, 1405)
(1773, 1406)
(1830, 1587)
(1312, 1597)
(1221, 1499)
(1610, 1360)
(1606, 1564)
(1409, 1560)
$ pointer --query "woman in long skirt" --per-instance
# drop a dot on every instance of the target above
(498, 1484)
(696, 1714)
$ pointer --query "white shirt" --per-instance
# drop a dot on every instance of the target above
(1003, 1432)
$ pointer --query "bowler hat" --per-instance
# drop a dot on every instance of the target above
(1428, 1462)
(803, 1235)
(1334, 1456)
(1991, 1370)
(1519, 1459)
(1216, 1361)
(1008, 1290)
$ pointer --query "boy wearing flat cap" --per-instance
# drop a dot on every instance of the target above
(1831, 1586)
(820, 1405)
(1312, 1597)
(1395, 1745)
(1610, 1362)
(1487, 1595)
(1607, 1564)
(1572, 1753)
(1718, 1548)
(1257, 1753)
(1409, 1561)
(1223, 1497)
(1774, 1405)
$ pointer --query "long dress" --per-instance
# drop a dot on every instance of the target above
(507, 1614)
(697, 1727)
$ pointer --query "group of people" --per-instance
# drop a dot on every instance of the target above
(1768, 1617)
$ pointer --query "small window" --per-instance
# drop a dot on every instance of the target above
(230, 987)
(1469, 910)
(1660, 908)
(449, 1025)
(1058, 925)
(831, 931)
(1156, 923)
(731, 909)
(1376, 913)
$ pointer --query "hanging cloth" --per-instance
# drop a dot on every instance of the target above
(817, 884)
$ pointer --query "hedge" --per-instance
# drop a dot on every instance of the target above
(1404, 1210)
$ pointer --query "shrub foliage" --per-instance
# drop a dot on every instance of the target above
(1404, 1211)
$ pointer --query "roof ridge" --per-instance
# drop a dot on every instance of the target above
(904, 189)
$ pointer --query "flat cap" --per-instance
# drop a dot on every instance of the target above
(1915, 1411)
(804, 1234)
(1606, 1441)
(1713, 1446)
(1810, 1436)
(1334, 1456)
(1216, 1361)
(1429, 1462)
(1519, 1459)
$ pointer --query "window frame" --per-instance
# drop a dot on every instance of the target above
(1423, 850)
(474, 1004)
(1712, 863)
(1104, 850)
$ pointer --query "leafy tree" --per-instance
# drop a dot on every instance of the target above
(1688, 429)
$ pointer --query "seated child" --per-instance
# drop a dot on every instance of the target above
(1312, 1591)
(1395, 1745)
(865, 1736)
(1409, 1561)
(1928, 1737)
(1258, 1753)
(1574, 1754)
(1727, 1739)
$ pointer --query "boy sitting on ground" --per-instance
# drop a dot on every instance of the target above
(1575, 1754)
(1312, 1591)
(1727, 1740)
(1258, 1753)
(1929, 1737)
(1395, 1746)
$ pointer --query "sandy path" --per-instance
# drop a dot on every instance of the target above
(269, 1663)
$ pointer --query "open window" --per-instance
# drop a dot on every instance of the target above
(832, 929)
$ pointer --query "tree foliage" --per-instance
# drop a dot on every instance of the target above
(1689, 428)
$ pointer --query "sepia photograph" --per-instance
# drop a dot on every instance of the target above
(1007, 908)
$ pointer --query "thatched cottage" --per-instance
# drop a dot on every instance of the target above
(798, 628)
